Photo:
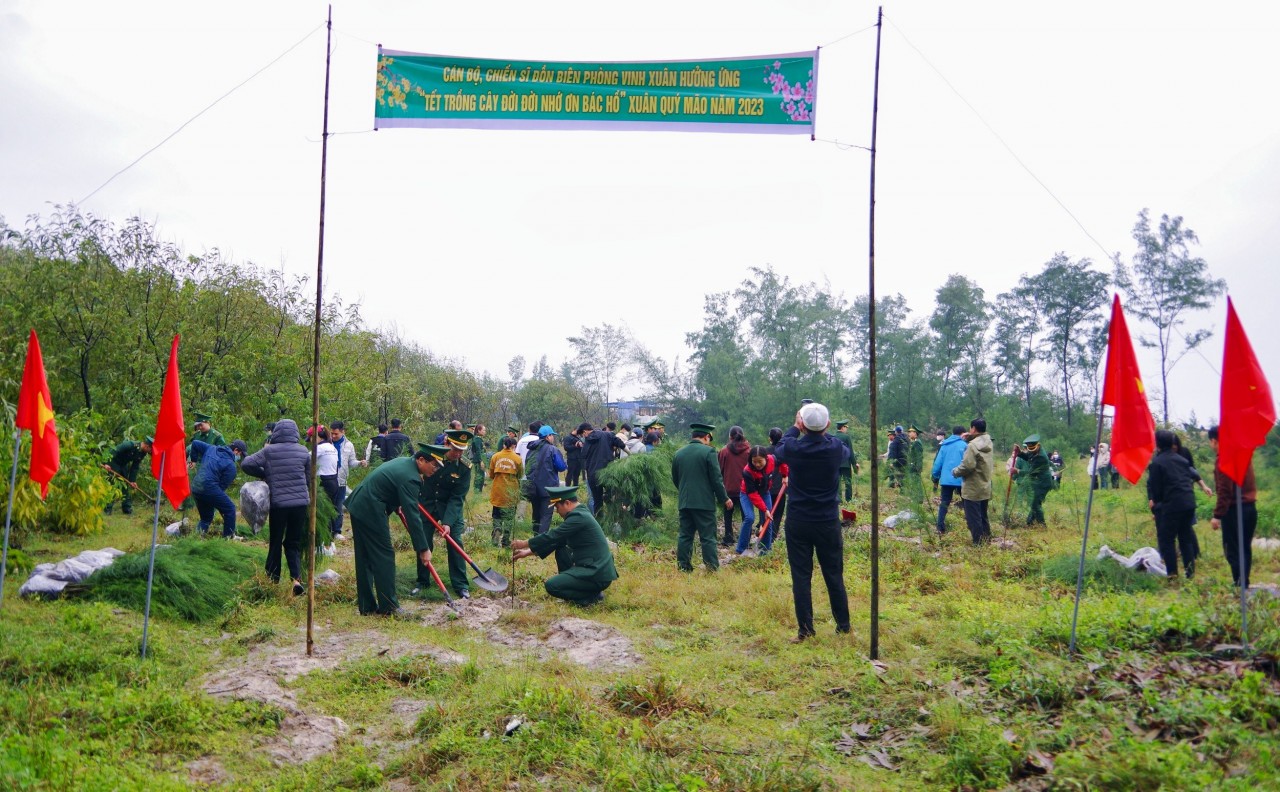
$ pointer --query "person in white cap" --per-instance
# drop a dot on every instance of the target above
(813, 514)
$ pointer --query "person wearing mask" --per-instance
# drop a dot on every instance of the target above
(696, 473)
(215, 471)
(813, 515)
(1172, 500)
(346, 451)
(286, 467)
(732, 459)
(950, 454)
(1038, 475)
(976, 468)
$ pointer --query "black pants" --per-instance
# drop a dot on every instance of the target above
(975, 516)
(1174, 532)
(1231, 539)
(286, 526)
(804, 539)
(542, 511)
(331, 489)
(597, 496)
(574, 474)
(944, 505)
(730, 524)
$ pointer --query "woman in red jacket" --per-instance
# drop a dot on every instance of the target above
(755, 498)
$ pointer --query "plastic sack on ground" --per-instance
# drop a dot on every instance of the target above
(1144, 559)
(902, 516)
(255, 503)
(48, 580)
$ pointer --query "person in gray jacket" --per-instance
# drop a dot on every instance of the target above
(286, 467)
(976, 468)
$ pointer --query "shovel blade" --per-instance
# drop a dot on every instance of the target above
(491, 581)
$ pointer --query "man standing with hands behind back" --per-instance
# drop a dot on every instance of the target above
(813, 515)
(695, 470)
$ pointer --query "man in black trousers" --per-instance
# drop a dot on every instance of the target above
(813, 514)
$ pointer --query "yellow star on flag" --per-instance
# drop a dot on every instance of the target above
(44, 414)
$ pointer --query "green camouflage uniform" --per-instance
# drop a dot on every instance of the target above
(443, 496)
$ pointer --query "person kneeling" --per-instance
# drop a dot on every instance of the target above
(583, 558)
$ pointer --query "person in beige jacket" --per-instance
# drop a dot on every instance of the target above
(976, 468)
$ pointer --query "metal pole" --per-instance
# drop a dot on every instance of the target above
(1084, 540)
(151, 568)
(8, 516)
(871, 362)
(315, 359)
(1244, 572)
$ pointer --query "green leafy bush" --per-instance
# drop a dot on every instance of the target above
(78, 492)
(1104, 575)
(195, 579)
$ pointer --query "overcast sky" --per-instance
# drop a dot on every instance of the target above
(1113, 106)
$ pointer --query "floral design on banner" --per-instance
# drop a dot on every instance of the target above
(797, 100)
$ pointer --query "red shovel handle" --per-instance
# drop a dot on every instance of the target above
(448, 538)
(430, 567)
(764, 526)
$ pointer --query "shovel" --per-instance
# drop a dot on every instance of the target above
(435, 575)
(768, 520)
(489, 580)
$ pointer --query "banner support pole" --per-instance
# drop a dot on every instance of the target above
(1084, 540)
(151, 567)
(871, 361)
(8, 516)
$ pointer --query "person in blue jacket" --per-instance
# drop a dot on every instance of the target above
(216, 469)
(950, 452)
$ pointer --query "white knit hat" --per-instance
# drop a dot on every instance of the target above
(815, 417)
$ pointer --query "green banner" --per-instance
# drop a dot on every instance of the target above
(763, 94)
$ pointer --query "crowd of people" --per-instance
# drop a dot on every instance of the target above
(735, 497)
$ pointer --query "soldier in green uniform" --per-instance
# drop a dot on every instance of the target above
(125, 460)
(443, 496)
(915, 465)
(477, 457)
(850, 466)
(583, 558)
(205, 432)
(1038, 475)
(392, 486)
(695, 470)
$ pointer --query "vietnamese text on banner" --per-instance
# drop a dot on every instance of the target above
(763, 94)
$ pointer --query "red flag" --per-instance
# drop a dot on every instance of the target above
(1248, 411)
(1133, 430)
(171, 437)
(35, 414)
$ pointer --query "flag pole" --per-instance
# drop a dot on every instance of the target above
(1084, 540)
(315, 359)
(8, 516)
(151, 568)
(1244, 571)
(871, 361)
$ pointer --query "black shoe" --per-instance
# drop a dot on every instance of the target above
(298, 589)
(589, 601)
(843, 630)
(416, 591)
(464, 594)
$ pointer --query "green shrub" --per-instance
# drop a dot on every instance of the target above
(78, 492)
(195, 579)
(1103, 575)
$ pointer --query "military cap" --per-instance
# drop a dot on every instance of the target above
(202, 417)
(1032, 440)
(513, 430)
(656, 424)
(562, 493)
(913, 428)
(149, 440)
(841, 423)
(435, 452)
(472, 427)
(700, 428)
(458, 438)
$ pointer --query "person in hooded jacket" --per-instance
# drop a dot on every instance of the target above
(733, 458)
(950, 453)
(286, 467)
(548, 463)
(598, 448)
(976, 467)
(215, 471)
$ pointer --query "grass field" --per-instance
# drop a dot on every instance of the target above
(676, 682)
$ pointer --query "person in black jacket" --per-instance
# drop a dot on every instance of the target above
(573, 455)
(396, 442)
(286, 466)
(598, 450)
(1173, 502)
(813, 458)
